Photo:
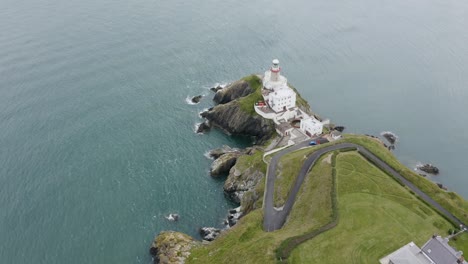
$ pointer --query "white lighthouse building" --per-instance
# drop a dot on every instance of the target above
(278, 95)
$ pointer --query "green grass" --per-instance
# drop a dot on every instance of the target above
(377, 216)
(449, 200)
(319, 187)
(287, 170)
(254, 161)
(247, 103)
(246, 242)
(460, 242)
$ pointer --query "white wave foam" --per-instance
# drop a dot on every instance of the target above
(221, 84)
(207, 155)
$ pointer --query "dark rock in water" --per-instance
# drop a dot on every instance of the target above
(423, 175)
(209, 233)
(390, 137)
(339, 128)
(216, 89)
(196, 99)
(235, 90)
(441, 186)
(429, 168)
(203, 127)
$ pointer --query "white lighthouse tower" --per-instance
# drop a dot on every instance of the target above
(273, 80)
(277, 93)
(275, 71)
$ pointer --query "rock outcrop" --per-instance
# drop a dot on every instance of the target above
(233, 216)
(216, 153)
(216, 89)
(235, 90)
(197, 99)
(339, 128)
(390, 137)
(209, 233)
(224, 163)
(235, 121)
(241, 183)
(203, 127)
(429, 168)
(171, 247)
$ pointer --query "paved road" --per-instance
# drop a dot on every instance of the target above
(274, 218)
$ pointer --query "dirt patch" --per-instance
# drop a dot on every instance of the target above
(327, 159)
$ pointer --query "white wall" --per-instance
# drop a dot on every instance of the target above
(279, 101)
(314, 128)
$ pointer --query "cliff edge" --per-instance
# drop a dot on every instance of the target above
(235, 112)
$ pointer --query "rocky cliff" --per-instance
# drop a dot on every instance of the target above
(234, 121)
(233, 91)
(235, 114)
(171, 247)
(244, 184)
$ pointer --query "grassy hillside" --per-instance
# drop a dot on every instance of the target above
(247, 103)
(246, 242)
(460, 242)
(286, 172)
(376, 216)
(449, 200)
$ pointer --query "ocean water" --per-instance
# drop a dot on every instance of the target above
(97, 140)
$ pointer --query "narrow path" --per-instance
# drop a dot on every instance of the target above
(273, 218)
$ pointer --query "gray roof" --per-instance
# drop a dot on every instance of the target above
(440, 251)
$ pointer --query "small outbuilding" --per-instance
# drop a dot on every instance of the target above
(435, 251)
(311, 127)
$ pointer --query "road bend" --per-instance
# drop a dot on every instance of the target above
(274, 218)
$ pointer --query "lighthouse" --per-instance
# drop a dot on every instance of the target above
(273, 80)
(276, 91)
(275, 71)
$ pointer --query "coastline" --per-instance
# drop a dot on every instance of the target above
(234, 170)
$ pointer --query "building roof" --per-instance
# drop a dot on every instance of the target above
(435, 251)
(311, 121)
(408, 254)
(438, 249)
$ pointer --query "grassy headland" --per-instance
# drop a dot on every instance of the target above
(247, 103)
(376, 217)
(376, 214)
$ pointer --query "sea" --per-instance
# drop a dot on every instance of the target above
(97, 141)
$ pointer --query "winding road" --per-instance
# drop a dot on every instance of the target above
(274, 218)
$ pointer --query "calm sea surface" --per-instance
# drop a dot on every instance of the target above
(96, 137)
